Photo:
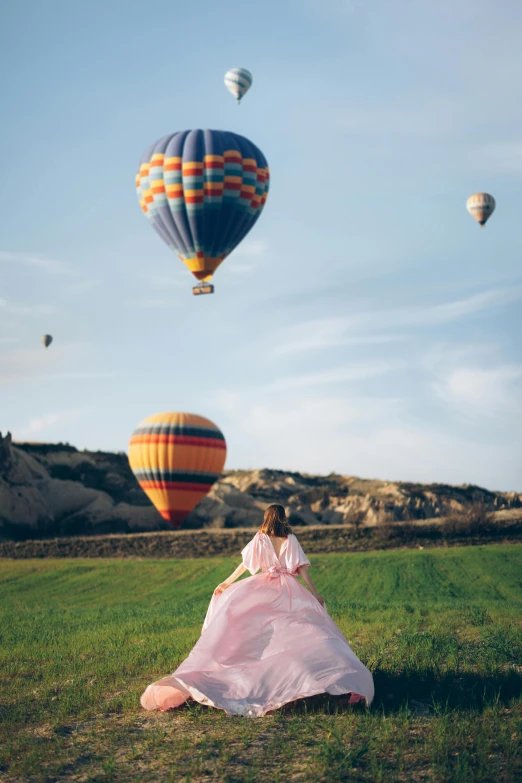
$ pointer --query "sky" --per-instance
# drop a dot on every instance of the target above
(367, 325)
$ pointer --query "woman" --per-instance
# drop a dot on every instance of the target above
(266, 640)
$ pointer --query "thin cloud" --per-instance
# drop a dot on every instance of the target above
(294, 420)
(49, 265)
(223, 399)
(48, 422)
(83, 287)
(35, 364)
(345, 374)
(73, 376)
(471, 380)
(21, 309)
(331, 332)
(240, 269)
(484, 391)
(328, 334)
(454, 311)
(372, 437)
(499, 157)
(253, 248)
(245, 260)
(163, 282)
(152, 303)
(228, 400)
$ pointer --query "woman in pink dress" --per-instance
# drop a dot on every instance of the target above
(266, 640)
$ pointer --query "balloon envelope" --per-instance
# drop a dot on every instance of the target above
(238, 81)
(481, 206)
(176, 458)
(46, 340)
(203, 191)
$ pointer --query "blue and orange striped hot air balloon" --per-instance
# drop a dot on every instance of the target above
(203, 191)
(176, 458)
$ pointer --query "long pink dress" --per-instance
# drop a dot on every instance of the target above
(265, 641)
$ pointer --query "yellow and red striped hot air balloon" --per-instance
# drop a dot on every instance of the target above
(176, 458)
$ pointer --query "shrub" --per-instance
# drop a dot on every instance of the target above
(355, 518)
(473, 520)
(386, 529)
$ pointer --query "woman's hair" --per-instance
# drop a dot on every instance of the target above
(275, 522)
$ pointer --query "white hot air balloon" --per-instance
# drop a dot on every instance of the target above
(481, 206)
(238, 81)
(46, 340)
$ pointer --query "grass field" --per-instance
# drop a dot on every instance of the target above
(441, 630)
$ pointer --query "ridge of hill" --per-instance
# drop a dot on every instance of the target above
(55, 489)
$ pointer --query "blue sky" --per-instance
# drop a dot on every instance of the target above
(367, 325)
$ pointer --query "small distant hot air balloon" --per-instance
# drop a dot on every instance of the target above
(46, 340)
(203, 190)
(481, 206)
(238, 81)
(176, 458)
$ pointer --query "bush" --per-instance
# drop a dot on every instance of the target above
(355, 518)
(386, 529)
(473, 520)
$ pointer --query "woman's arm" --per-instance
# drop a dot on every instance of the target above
(303, 572)
(232, 578)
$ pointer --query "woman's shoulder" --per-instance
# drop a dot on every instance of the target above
(293, 541)
(256, 537)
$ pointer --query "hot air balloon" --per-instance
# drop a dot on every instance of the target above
(238, 81)
(203, 191)
(481, 206)
(176, 457)
(46, 340)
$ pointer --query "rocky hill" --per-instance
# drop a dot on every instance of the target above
(54, 489)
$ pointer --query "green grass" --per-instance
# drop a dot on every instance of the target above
(440, 629)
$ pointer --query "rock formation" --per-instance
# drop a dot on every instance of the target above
(54, 489)
(50, 490)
